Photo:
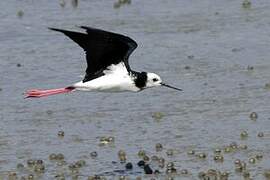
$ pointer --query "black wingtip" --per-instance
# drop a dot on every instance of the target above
(78, 26)
(67, 32)
(50, 28)
(87, 28)
(63, 31)
(55, 29)
(83, 27)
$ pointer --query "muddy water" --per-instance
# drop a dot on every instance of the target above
(203, 47)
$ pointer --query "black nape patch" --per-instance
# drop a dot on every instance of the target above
(141, 79)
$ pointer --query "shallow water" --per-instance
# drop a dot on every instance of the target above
(203, 47)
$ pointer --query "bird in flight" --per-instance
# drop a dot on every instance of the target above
(108, 69)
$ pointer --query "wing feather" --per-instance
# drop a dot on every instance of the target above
(102, 49)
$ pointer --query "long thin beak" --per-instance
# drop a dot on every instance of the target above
(166, 85)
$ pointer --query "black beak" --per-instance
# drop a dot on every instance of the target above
(166, 85)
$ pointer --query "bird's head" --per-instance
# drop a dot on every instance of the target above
(155, 80)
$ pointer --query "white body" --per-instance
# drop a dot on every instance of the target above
(116, 79)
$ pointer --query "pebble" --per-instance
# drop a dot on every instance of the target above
(250, 68)
(141, 163)
(267, 174)
(20, 166)
(246, 4)
(159, 147)
(244, 134)
(237, 162)
(242, 146)
(129, 166)
(147, 169)
(234, 145)
(95, 177)
(49, 112)
(224, 175)
(253, 116)
(141, 153)
(184, 171)
(169, 152)
(52, 156)
(218, 158)
(122, 159)
(61, 163)
(61, 133)
(154, 158)
(119, 3)
(260, 134)
(30, 177)
(244, 165)
(157, 115)
(240, 167)
(259, 156)
(20, 13)
(30, 162)
(116, 5)
(122, 177)
(246, 174)
(121, 153)
(80, 163)
(267, 86)
(190, 56)
(39, 168)
(201, 155)
(146, 158)
(62, 3)
(39, 161)
(161, 162)
(111, 139)
(106, 140)
(202, 175)
(236, 50)
(217, 151)
(171, 171)
(59, 177)
(252, 160)
(23, 178)
(74, 3)
(122, 156)
(72, 167)
(191, 152)
(59, 157)
(227, 149)
(94, 154)
(212, 172)
(170, 165)
(12, 176)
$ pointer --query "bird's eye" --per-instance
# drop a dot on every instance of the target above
(155, 80)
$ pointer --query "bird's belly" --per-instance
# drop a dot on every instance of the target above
(108, 84)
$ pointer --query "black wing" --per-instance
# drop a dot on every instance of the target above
(102, 48)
